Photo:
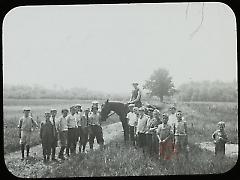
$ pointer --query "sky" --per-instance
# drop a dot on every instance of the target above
(107, 47)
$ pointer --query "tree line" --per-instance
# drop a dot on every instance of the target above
(39, 92)
(216, 91)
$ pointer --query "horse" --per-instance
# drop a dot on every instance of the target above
(121, 110)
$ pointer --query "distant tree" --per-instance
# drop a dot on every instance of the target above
(160, 84)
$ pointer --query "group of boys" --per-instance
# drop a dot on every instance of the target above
(166, 134)
(158, 134)
(70, 128)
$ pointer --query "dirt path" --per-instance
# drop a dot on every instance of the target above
(231, 149)
(34, 166)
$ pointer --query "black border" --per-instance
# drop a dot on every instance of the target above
(6, 6)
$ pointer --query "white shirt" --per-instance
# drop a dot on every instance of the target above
(172, 118)
(78, 117)
(142, 124)
(62, 124)
(132, 117)
(71, 121)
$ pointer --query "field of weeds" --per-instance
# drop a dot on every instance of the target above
(121, 160)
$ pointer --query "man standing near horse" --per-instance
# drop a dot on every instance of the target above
(136, 96)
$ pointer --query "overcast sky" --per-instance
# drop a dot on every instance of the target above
(106, 47)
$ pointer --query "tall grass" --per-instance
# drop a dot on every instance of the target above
(120, 160)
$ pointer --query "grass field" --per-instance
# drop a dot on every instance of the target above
(120, 160)
(12, 111)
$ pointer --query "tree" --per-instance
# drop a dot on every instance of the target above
(160, 84)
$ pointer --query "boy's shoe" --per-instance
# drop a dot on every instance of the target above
(22, 158)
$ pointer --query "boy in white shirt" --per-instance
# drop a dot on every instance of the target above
(132, 119)
(141, 128)
(72, 129)
(172, 116)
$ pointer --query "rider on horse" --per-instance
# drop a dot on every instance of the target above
(136, 96)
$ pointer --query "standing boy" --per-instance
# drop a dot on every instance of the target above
(78, 116)
(46, 136)
(95, 128)
(141, 128)
(25, 129)
(220, 139)
(84, 121)
(72, 126)
(63, 132)
(165, 136)
(149, 131)
(53, 113)
(180, 135)
(132, 119)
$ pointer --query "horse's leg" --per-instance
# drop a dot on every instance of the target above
(125, 129)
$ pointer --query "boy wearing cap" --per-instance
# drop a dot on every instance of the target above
(136, 96)
(132, 120)
(141, 128)
(53, 114)
(72, 129)
(25, 128)
(180, 135)
(84, 130)
(165, 136)
(46, 136)
(96, 129)
(63, 132)
(220, 139)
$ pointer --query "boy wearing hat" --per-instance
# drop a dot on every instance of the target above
(72, 129)
(132, 120)
(53, 114)
(136, 96)
(96, 129)
(63, 132)
(141, 128)
(220, 139)
(46, 136)
(25, 128)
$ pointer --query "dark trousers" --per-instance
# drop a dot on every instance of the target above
(132, 134)
(71, 140)
(53, 147)
(96, 132)
(141, 140)
(83, 134)
(149, 143)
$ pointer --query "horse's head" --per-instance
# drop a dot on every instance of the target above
(105, 110)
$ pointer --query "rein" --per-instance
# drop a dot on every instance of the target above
(111, 114)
